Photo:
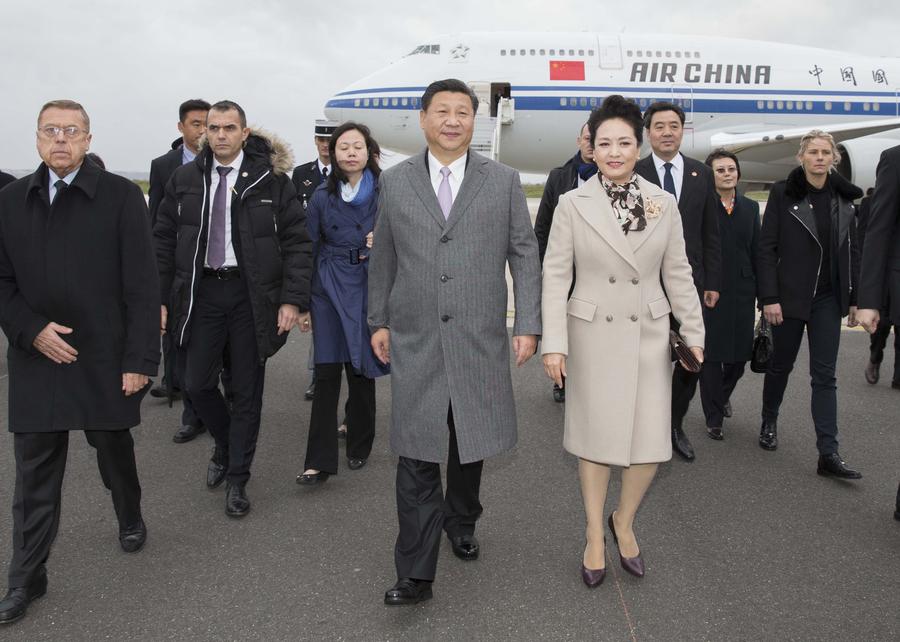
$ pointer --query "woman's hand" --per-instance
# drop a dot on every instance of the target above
(772, 313)
(370, 238)
(555, 367)
(698, 355)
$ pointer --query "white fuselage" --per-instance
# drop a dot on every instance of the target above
(726, 86)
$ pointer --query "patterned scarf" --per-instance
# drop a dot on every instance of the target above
(627, 203)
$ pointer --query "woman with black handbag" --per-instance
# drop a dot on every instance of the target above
(729, 325)
(807, 269)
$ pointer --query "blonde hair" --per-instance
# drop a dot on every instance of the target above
(821, 135)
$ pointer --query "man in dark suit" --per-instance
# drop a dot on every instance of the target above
(306, 178)
(880, 271)
(6, 179)
(693, 186)
(80, 308)
(569, 176)
(235, 262)
(191, 125)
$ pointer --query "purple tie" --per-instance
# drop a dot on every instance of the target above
(215, 254)
(445, 196)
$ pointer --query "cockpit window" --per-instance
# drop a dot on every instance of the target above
(425, 49)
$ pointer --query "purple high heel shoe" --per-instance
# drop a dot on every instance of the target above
(593, 578)
(634, 565)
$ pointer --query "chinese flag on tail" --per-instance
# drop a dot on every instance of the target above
(566, 70)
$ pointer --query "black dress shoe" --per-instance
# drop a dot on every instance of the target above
(726, 410)
(408, 591)
(465, 547)
(160, 392)
(132, 538)
(833, 466)
(715, 432)
(215, 471)
(355, 464)
(768, 435)
(872, 373)
(14, 605)
(310, 390)
(312, 479)
(187, 433)
(236, 502)
(681, 444)
(559, 394)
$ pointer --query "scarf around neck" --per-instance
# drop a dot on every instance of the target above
(627, 203)
(362, 193)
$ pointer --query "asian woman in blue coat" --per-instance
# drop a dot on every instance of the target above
(341, 216)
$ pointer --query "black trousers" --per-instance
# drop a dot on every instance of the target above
(684, 386)
(878, 341)
(40, 466)
(717, 382)
(322, 442)
(823, 331)
(423, 509)
(222, 315)
(189, 415)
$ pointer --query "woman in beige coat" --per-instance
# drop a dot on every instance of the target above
(610, 340)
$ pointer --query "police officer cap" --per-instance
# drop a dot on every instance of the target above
(325, 128)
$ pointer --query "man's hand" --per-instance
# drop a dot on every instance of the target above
(698, 355)
(710, 298)
(852, 321)
(305, 323)
(555, 367)
(868, 319)
(773, 314)
(381, 345)
(50, 344)
(132, 383)
(524, 346)
(163, 317)
(288, 317)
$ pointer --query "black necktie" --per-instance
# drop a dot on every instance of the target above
(324, 173)
(668, 181)
(60, 186)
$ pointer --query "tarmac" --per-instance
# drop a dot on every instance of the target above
(740, 544)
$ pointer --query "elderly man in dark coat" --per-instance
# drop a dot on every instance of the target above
(79, 303)
(449, 223)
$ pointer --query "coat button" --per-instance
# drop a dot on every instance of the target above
(635, 281)
(612, 279)
(609, 317)
(445, 238)
(634, 317)
(445, 318)
(444, 278)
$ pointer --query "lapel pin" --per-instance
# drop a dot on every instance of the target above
(245, 174)
(693, 173)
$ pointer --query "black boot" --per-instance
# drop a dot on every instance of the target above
(768, 435)
(833, 466)
(681, 444)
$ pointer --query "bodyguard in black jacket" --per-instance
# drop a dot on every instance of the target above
(235, 261)
(807, 267)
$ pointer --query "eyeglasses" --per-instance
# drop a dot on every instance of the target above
(50, 132)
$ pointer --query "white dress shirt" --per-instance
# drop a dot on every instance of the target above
(53, 178)
(231, 181)
(677, 172)
(457, 173)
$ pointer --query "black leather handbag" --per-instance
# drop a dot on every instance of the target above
(763, 346)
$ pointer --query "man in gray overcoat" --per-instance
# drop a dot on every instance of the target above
(449, 221)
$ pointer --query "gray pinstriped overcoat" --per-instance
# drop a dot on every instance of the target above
(440, 286)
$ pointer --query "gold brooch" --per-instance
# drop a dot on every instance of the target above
(652, 209)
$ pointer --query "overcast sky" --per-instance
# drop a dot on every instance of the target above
(131, 63)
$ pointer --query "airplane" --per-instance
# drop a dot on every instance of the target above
(536, 90)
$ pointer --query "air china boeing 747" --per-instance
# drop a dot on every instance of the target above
(751, 97)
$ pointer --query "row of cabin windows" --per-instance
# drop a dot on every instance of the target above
(642, 53)
(387, 102)
(545, 52)
(790, 105)
(643, 103)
